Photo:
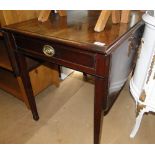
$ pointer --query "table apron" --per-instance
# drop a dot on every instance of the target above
(71, 65)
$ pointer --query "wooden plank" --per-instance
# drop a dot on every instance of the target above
(39, 79)
(116, 16)
(62, 13)
(11, 86)
(2, 18)
(55, 77)
(4, 58)
(22, 92)
(8, 17)
(102, 20)
(125, 16)
(44, 15)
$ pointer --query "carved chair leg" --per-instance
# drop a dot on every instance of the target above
(141, 109)
(137, 124)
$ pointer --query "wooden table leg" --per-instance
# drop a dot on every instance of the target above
(27, 84)
(125, 16)
(99, 100)
(44, 15)
(102, 20)
(62, 12)
(116, 16)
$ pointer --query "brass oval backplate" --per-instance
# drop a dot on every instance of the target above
(48, 50)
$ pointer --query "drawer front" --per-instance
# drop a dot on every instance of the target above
(61, 52)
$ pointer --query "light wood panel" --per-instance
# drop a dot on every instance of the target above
(125, 16)
(42, 77)
(22, 92)
(8, 17)
(44, 14)
(4, 58)
(9, 83)
(62, 12)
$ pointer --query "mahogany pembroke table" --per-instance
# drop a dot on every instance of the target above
(72, 42)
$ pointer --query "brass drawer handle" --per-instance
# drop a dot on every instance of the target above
(48, 50)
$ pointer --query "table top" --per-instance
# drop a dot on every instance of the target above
(77, 29)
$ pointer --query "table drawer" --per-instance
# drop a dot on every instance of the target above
(65, 53)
